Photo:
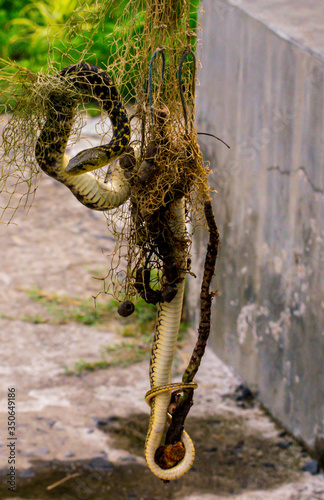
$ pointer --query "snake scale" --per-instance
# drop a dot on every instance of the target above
(51, 144)
(75, 173)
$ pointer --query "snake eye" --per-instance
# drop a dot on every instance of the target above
(126, 308)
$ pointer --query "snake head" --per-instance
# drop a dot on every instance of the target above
(85, 161)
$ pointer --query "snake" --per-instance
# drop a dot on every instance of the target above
(75, 173)
(163, 349)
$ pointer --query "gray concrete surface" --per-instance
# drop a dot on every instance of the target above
(58, 247)
(297, 21)
(261, 90)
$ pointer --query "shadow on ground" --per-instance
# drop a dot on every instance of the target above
(230, 459)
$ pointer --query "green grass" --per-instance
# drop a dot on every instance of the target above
(121, 354)
(36, 319)
(137, 329)
(64, 309)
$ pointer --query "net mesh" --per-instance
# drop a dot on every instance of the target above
(150, 54)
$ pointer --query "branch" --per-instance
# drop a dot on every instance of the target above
(186, 401)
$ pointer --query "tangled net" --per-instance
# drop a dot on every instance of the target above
(151, 59)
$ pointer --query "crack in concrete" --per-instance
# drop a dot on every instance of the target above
(283, 172)
(314, 188)
(303, 169)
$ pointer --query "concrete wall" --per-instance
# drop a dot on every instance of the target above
(262, 91)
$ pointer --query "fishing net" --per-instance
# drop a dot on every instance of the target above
(151, 53)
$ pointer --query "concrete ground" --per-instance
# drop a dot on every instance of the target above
(90, 429)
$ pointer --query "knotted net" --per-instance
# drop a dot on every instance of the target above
(151, 53)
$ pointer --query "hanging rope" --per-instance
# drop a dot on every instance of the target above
(187, 52)
(159, 50)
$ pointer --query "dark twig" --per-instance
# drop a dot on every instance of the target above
(215, 137)
(185, 402)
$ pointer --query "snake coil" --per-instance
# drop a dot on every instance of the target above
(91, 82)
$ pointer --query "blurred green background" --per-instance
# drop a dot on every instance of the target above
(28, 28)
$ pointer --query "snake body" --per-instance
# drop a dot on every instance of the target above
(52, 141)
(97, 195)
(163, 348)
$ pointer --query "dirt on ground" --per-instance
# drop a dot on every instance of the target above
(89, 428)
